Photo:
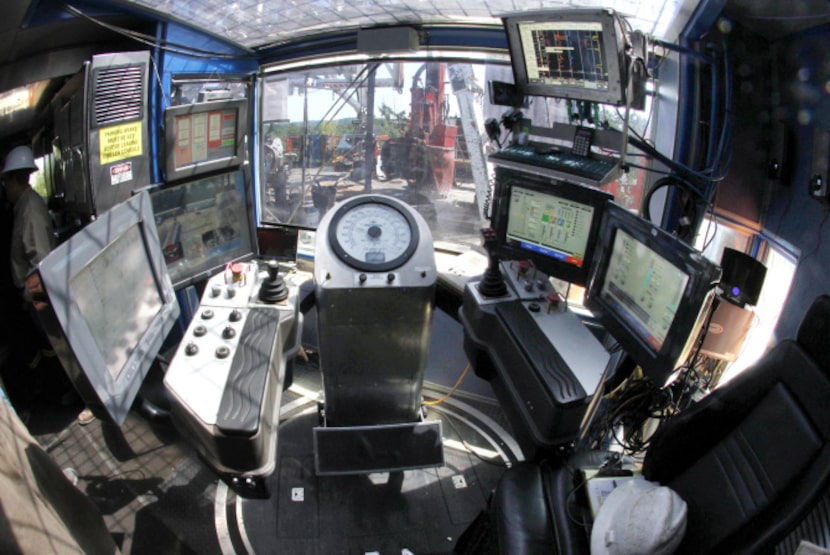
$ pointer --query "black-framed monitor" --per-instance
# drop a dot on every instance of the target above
(204, 137)
(550, 222)
(572, 53)
(651, 292)
(110, 305)
(204, 223)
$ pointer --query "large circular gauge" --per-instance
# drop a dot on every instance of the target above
(373, 233)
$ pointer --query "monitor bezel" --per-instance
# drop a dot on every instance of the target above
(683, 334)
(173, 172)
(583, 194)
(613, 45)
(69, 332)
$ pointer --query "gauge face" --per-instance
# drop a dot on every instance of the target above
(372, 233)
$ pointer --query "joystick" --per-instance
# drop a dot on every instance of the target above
(273, 288)
(492, 283)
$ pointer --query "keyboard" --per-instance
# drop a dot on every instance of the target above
(558, 162)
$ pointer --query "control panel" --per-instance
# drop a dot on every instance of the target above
(229, 370)
(543, 363)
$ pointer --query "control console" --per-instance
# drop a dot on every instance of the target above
(543, 363)
(230, 369)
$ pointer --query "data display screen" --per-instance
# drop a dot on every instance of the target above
(645, 288)
(568, 53)
(121, 271)
(549, 225)
(203, 223)
(205, 136)
(565, 53)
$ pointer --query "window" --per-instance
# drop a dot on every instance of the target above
(413, 130)
(404, 129)
(780, 261)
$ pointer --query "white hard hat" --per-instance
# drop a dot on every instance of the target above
(19, 158)
(639, 517)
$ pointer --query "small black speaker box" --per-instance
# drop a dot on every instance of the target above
(743, 277)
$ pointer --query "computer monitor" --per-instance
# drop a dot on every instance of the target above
(573, 53)
(552, 223)
(204, 224)
(109, 305)
(650, 291)
(204, 137)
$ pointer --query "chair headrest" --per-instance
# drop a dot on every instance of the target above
(813, 331)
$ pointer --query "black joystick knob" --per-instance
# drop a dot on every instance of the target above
(273, 288)
(492, 283)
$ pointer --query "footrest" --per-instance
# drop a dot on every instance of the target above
(242, 399)
(384, 448)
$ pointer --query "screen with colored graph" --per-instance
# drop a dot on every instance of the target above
(575, 54)
(550, 222)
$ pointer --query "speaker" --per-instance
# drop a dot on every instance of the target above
(388, 39)
(743, 277)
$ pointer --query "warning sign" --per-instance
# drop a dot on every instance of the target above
(119, 142)
(121, 173)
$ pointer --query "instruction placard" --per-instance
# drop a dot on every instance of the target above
(119, 142)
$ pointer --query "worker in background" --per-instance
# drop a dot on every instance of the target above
(32, 238)
(32, 235)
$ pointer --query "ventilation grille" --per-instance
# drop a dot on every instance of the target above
(118, 95)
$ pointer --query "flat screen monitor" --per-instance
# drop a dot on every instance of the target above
(650, 291)
(204, 223)
(109, 305)
(204, 137)
(576, 54)
(552, 223)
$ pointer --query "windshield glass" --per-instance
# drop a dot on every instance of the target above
(412, 130)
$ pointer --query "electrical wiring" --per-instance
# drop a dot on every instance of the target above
(458, 383)
(626, 412)
(694, 183)
(690, 201)
(712, 226)
(676, 168)
(646, 168)
(154, 42)
(569, 504)
(819, 238)
(470, 449)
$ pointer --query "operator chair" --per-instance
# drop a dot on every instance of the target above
(750, 460)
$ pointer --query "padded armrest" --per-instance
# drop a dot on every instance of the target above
(538, 509)
(520, 513)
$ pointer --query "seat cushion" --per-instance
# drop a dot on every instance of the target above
(747, 471)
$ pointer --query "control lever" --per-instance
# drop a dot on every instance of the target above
(492, 282)
(273, 289)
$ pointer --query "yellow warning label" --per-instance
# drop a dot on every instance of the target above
(119, 142)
